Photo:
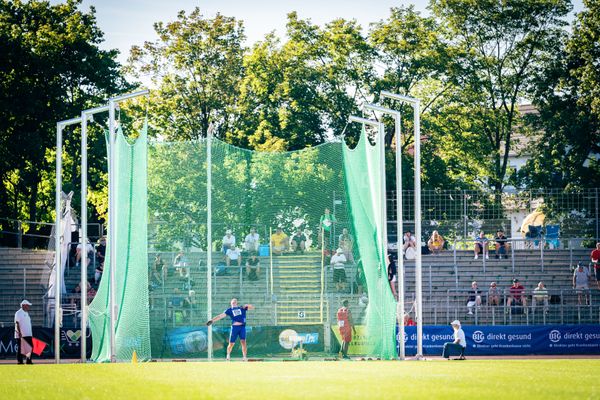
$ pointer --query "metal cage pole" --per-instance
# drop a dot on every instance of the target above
(418, 261)
(209, 239)
(399, 229)
(85, 116)
(57, 235)
(112, 217)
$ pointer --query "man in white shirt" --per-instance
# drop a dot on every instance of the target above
(78, 253)
(459, 344)
(252, 241)
(228, 241)
(339, 272)
(233, 255)
(24, 333)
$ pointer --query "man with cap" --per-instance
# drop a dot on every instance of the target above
(23, 332)
(459, 344)
(516, 295)
(339, 272)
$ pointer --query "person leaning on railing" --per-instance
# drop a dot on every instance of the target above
(581, 278)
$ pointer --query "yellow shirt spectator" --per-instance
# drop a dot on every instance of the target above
(279, 241)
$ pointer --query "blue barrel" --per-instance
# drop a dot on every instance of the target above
(263, 250)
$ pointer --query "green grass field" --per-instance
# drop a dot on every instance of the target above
(472, 379)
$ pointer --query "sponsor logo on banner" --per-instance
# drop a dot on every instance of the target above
(478, 336)
(289, 338)
(554, 336)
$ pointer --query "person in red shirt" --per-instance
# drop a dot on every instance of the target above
(346, 326)
(516, 295)
(595, 256)
(408, 321)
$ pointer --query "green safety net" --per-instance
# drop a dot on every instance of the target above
(132, 333)
(263, 190)
(364, 174)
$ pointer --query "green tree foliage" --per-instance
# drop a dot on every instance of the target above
(500, 47)
(50, 69)
(568, 125)
(197, 65)
(296, 94)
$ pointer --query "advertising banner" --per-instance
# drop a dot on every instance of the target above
(69, 342)
(510, 340)
(262, 341)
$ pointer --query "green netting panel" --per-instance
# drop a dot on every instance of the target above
(132, 325)
(362, 166)
(249, 189)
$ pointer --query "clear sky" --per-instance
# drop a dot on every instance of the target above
(130, 22)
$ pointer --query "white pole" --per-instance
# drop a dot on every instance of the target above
(57, 243)
(112, 231)
(383, 206)
(418, 263)
(209, 239)
(399, 230)
(400, 235)
(84, 240)
(84, 168)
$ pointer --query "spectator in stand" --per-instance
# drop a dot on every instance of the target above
(252, 241)
(181, 265)
(392, 274)
(338, 261)
(228, 241)
(493, 297)
(459, 344)
(481, 245)
(516, 295)
(91, 292)
(100, 257)
(298, 241)
(233, 256)
(435, 243)
(101, 251)
(360, 278)
(252, 267)
(595, 257)
(408, 321)
(540, 295)
(90, 253)
(474, 299)
(410, 246)
(581, 278)
(156, 277)
(279, 242)
(501, 244)
(326, 227)
(189, 302)
(346, 243)
(24, 333)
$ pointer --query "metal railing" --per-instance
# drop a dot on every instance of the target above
(36, 235)
(528, 308)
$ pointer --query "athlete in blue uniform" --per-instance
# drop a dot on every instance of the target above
(238, 325)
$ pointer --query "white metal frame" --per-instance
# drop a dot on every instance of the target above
(399, 229)
(416, 104)
(83, 119)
